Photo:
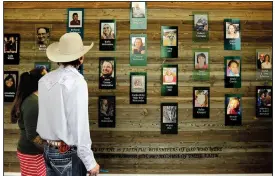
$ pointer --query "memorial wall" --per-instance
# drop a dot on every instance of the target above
(175, 87)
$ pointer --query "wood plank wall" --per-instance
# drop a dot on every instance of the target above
(245, 149)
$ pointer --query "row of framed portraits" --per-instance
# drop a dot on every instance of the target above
(138, 90)
(107, 28)
(201, 108)
(138, 42)
(169, 79)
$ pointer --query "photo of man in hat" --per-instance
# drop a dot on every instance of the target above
(64, 122)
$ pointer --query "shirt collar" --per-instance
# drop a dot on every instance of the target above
(51, 79)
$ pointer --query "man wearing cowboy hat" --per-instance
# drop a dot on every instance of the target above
(63, 119)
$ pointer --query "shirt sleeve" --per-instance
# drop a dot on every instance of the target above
(30, 116)
(79, 124)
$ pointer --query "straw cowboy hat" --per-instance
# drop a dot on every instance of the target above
(69, 48)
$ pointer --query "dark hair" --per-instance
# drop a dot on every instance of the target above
(47, 29)
(232, 61)
(74, 63)
(27, 85)
(268, 57)
(74, 14)
(263, 91)
(202, 55)
(13, 80)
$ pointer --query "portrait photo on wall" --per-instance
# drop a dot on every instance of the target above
(138, 88)
(232, 30)
(43, 33)
(201, 60)
(169, 41)
(11, 49)
(232, 71)
(138, 45)
(169, 86)
(169, 118)
(75, 20)
(10, 85)
(232, 34)
(107, 73)
(169, 76)
(107, 111)
(138, 84)
(233, 68)
(264, 101)
(201, 69)
(138, 15)
(107, 35)
(138, 9)
(201, 101)
(138, 50)
(233, 110)
(169, 37)
(45, 65)
(200, 32)
(263, 64)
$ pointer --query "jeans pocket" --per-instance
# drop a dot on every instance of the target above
(62, 166)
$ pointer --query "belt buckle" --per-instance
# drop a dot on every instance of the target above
(63, 147)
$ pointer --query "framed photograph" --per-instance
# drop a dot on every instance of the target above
(169, 118)
(138, 88)
(201, 26)
(169, 75)
(201, 101)
(264, 101)
(169, 80)
(233, 68)
(232, 65)
(107, 35)
(11, 49)
(169, 41)
(138, 50)
(264, 64)
(233, 109)
(169, 37)
(138, 15)
(201, 60)
(43, 34)
(138, 9)
(138, 84)
(201, 71)
(107, 73)
(75, 20)
(232, 34)
(232, 30)
(107, 111)
(10, 85)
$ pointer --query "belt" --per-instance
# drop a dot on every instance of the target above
(54, 143)
(60, 145)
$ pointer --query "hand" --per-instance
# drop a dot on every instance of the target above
(94, 171)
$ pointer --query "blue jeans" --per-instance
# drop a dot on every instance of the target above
(65, 164)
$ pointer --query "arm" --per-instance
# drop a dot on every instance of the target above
(30, 116)
(79, 124)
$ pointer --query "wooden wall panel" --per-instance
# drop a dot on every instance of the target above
(136, 145)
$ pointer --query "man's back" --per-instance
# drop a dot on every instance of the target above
(56, 89)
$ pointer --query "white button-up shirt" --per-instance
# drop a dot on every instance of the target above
(63, 111)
